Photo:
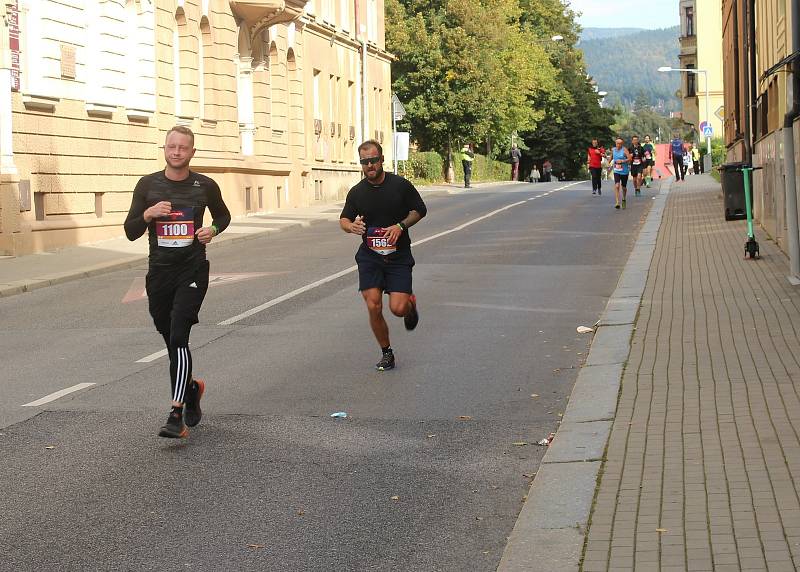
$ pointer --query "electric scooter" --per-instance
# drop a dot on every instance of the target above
(751, 246)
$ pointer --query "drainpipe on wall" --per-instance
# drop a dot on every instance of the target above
(361, 32)
(789, 128)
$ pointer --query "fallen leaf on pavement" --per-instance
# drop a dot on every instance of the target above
(464, 417)
(49, 447)
(395, 497)
(255, 546)
(661, 530)
(519, 443)
(534, 395)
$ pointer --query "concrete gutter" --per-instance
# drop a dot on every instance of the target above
(550, 530)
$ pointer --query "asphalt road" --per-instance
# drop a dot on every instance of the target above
(426, 473)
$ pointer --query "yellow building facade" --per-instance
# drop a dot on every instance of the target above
(757, 103)
(701, 49)
(279, 95)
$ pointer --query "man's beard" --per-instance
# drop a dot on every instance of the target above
(377, 175)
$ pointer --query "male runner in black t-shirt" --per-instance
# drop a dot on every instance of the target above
(637, 164)
(380, 209)
(170, 205)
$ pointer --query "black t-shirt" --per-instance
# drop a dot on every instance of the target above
(172, 238)
(384, 205)
(637, 154)
(648, 151)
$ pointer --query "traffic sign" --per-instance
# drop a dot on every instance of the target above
(720, 113)
(398, 110)
(708, 131)
(702, 126)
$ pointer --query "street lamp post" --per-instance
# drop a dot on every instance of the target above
(708, 117)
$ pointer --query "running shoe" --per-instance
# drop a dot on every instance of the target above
(193, 413)
(386, 363)
(174, 428)
(594, 192)
(411, 319)
(638, 192)
(599, 192)
(616, 206)
(623, 203)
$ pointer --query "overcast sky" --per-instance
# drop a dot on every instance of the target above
(626, 13)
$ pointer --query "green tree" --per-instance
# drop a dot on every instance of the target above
(466, 70)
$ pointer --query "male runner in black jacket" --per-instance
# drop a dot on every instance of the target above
(170, 205)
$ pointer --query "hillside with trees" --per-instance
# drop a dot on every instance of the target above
(626, 67)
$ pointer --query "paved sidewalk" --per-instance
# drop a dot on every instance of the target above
(702, 467)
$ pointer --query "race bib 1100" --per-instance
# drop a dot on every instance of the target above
(378, 242)
(176, 230)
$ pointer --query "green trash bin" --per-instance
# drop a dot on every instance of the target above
(732, 179)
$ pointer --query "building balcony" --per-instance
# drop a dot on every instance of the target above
(260, 14)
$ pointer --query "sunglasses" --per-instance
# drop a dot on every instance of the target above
(370, 160)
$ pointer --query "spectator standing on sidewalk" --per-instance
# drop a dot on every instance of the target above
(467, 157)
(594, 162)
(698, 168)
(535, 175)
(676, 156)
(516, 155)
(547, 170)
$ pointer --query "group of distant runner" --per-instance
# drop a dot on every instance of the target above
(170, 206)
(636, 162)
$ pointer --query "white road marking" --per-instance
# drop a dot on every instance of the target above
(152, 357)
(58, 394)
(346, 271)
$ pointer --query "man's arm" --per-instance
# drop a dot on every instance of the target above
(221, 216)
(135, 224)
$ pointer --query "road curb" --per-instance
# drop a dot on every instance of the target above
(550, 530)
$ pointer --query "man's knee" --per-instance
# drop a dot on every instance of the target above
(374, 302)
(399, 306)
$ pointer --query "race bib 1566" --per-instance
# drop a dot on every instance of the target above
(176, 230)
(379, 243)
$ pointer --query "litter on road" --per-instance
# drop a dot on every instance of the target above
(339, 415)
(584, 330)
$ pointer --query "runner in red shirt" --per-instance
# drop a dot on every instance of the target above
(594, 162)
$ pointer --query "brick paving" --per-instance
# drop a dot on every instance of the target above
(703, 461)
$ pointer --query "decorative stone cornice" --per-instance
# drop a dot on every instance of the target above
(260, 14)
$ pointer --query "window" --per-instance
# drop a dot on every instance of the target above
(689, 19)
(205, 76)
(317, 111)
(691, 82)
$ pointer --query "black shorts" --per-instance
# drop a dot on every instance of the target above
(390, 273)
(175, 295)
(650, 163)
(637, 170)
(622, 179)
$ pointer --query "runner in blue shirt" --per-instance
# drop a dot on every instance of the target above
(621, 161)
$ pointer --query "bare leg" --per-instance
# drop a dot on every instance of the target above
(374, 300)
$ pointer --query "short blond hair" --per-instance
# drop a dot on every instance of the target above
(183, 130)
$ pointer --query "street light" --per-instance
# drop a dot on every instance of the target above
(708, 117)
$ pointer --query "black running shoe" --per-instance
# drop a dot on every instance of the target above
(412, 318)
(195, 392)
(174, 427)
(386, 363)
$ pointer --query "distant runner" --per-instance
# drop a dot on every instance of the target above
(649, 160)
(620, 161)
(594, 162)
(170, 205)
(380, 209)
(637, 164)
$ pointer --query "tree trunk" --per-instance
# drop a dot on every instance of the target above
(449, 172)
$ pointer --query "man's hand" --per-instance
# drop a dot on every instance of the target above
(392, 233)
(158, 210)
(205, 234)
(358, 226)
